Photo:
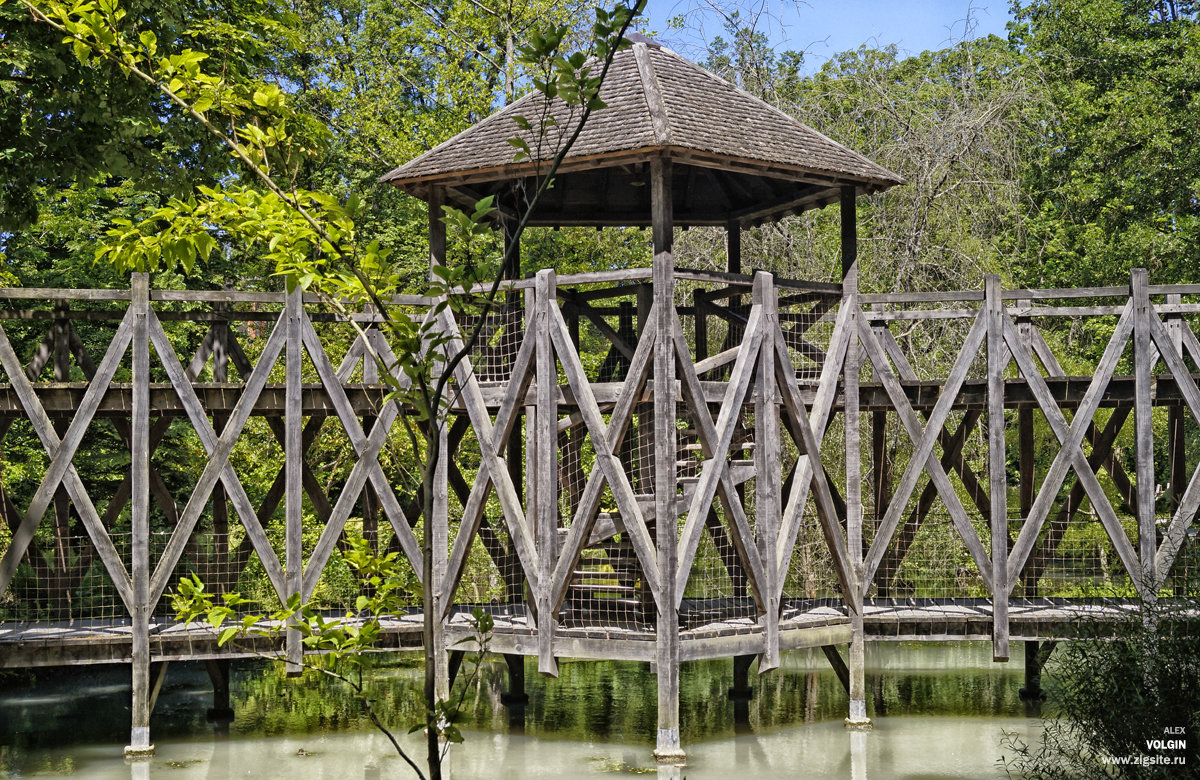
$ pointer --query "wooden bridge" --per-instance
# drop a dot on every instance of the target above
(654, 464)
(769, 528)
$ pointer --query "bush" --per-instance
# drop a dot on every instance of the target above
(1123, 707)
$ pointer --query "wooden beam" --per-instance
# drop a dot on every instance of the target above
(997, 361)
(546, 505)
(665, 485)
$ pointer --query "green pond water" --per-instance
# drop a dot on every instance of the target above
(940, 711)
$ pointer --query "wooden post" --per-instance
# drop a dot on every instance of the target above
(515, 695)
(733, 264)
(437, 526)
(854, 510)
(293, 507)
(1027, 492)
(139, 737)
(220, 501)
(546, 504)
(531, 439)
(768, 472)
(440, 527)
(218, 673)
(667, 746)
(997, 358)
(1143, 357)
(437, 230)
(1176, 441)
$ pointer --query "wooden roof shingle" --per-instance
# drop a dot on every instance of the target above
(657, 103)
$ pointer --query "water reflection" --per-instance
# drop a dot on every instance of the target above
(938, 709)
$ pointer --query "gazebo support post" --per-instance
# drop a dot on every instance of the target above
(439, 676)
(854, 510)
(667, 748)
(141, 706)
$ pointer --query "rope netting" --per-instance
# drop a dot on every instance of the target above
(501, 332)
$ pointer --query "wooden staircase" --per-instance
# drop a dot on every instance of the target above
(607, 582)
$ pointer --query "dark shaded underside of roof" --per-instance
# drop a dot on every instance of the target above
(735, 157)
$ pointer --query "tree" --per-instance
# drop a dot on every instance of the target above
(1113, 181)
(310, 235)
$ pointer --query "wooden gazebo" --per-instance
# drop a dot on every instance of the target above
(675, 146)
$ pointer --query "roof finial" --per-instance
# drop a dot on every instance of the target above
(637, 37)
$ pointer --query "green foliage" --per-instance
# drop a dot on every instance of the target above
(341, 641)
(1113, 698)
(65, 121)
(1113, 179)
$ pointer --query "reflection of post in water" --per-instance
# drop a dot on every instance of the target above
(221, 713)
(515, 698)
(1036, 655)
(669, 772)
(741, 693)
(812, 684)
(858, 754)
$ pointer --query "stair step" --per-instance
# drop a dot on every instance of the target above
(594, 589)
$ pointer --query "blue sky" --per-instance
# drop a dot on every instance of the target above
(822, 28)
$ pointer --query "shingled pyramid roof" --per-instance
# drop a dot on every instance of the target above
(755, 161)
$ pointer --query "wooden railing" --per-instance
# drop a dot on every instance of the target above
(614, 409)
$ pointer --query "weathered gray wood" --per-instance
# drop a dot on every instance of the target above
(366, 467)
(140, 706)
(158, 488)
(607, 462)
(822, 408)
(1102, 454)
(60, 468)
(876, 315)
(906, 298)
(219, 450)
(1189, 500)
(1176, 432)
(293, 453)
(617, 428)
(1143, 431)
(605, 329)
(768, 507)
(801, 424)
(908, 374)
(997, 361)
(497, 470)
(923, 458)
(952, 454)
(1026, 454)
(717, 460)
(475, 504)
(857, 716)
(62, 294)
(665, 485)
(546, 506)
(723, 358)
(1070, 437)
(744, 280)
